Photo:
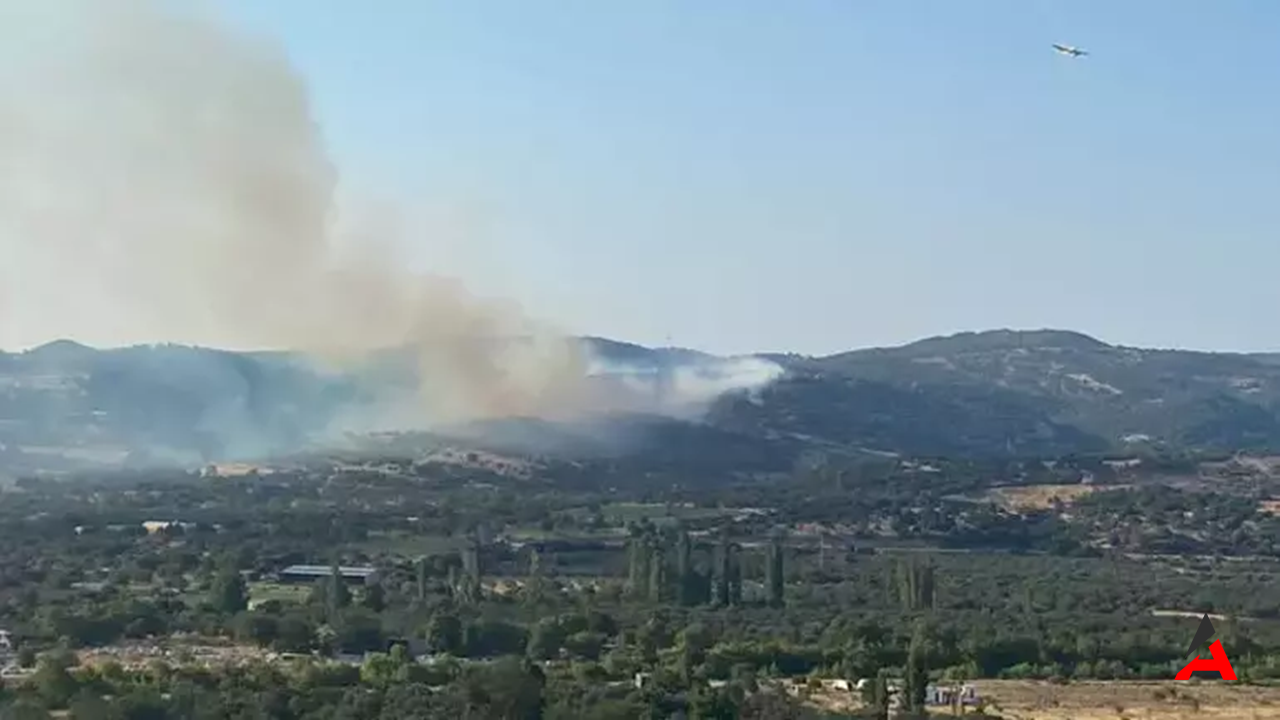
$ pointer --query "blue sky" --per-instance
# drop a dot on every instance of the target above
(743, 175)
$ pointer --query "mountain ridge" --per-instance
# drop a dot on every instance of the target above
(987, 393)
(1033, 336)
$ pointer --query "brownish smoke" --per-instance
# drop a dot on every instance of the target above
(162, 177)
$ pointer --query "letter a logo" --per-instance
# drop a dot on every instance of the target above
(1218, 663)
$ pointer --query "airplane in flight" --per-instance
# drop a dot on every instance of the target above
(1068, 50)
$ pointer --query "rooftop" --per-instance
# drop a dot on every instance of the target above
(319, 570)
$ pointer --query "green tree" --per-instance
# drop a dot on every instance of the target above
(916, 585)
(374, 598)
(143, 704)
(230, 593)
(415, 701)
(657, 573)
(25, 709)
(724, 572)
(585, 644)
(546, 639)
(772, 706)
(916, 682)
(53, 680)
(876, 696)
(359, 631)
(472, 573)
(258, 628)
(710, 704)
(444, 634)
(421, 579)
(536, 590)
(638, 573)
(383, 669)
(509, 689)
(775, 581)
(686, 587)
(90, 706)
(735, 576)
(337, 595)
(294, 634)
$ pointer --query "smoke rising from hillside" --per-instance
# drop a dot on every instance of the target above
(162, 177)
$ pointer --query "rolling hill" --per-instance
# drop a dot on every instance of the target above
(993, 393)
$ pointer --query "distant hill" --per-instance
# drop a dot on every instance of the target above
(1036, 391)
(64, 405)
(1001, 392)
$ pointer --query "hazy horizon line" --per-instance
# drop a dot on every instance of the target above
(689, 348)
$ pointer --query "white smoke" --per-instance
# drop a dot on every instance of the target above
(685, 388)
(162, 178)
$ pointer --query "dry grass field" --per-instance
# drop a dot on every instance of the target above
(1039, 497)
(1162, 700)
(1098, 700)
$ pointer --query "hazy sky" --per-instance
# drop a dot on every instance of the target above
(744, 175)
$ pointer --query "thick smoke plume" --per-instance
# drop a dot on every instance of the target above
(166, 176)
(162, 178)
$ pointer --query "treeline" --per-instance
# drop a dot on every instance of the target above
(711, 603)
(661, 567)
(386, 686)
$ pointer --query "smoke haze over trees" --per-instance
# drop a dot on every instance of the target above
(163, 178)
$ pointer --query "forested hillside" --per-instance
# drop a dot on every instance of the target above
(999, 393)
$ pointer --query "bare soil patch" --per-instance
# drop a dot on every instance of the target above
(1041, 497)
(1162, 700)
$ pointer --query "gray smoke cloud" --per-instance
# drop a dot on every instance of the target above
(162, 177)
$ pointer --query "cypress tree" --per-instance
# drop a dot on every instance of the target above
(879, 697)
(337, 597)
(684, 569)
(775, 581)
(723, 561)
(638, 567)
(657, 572)
(917, 674)
(735, 576)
